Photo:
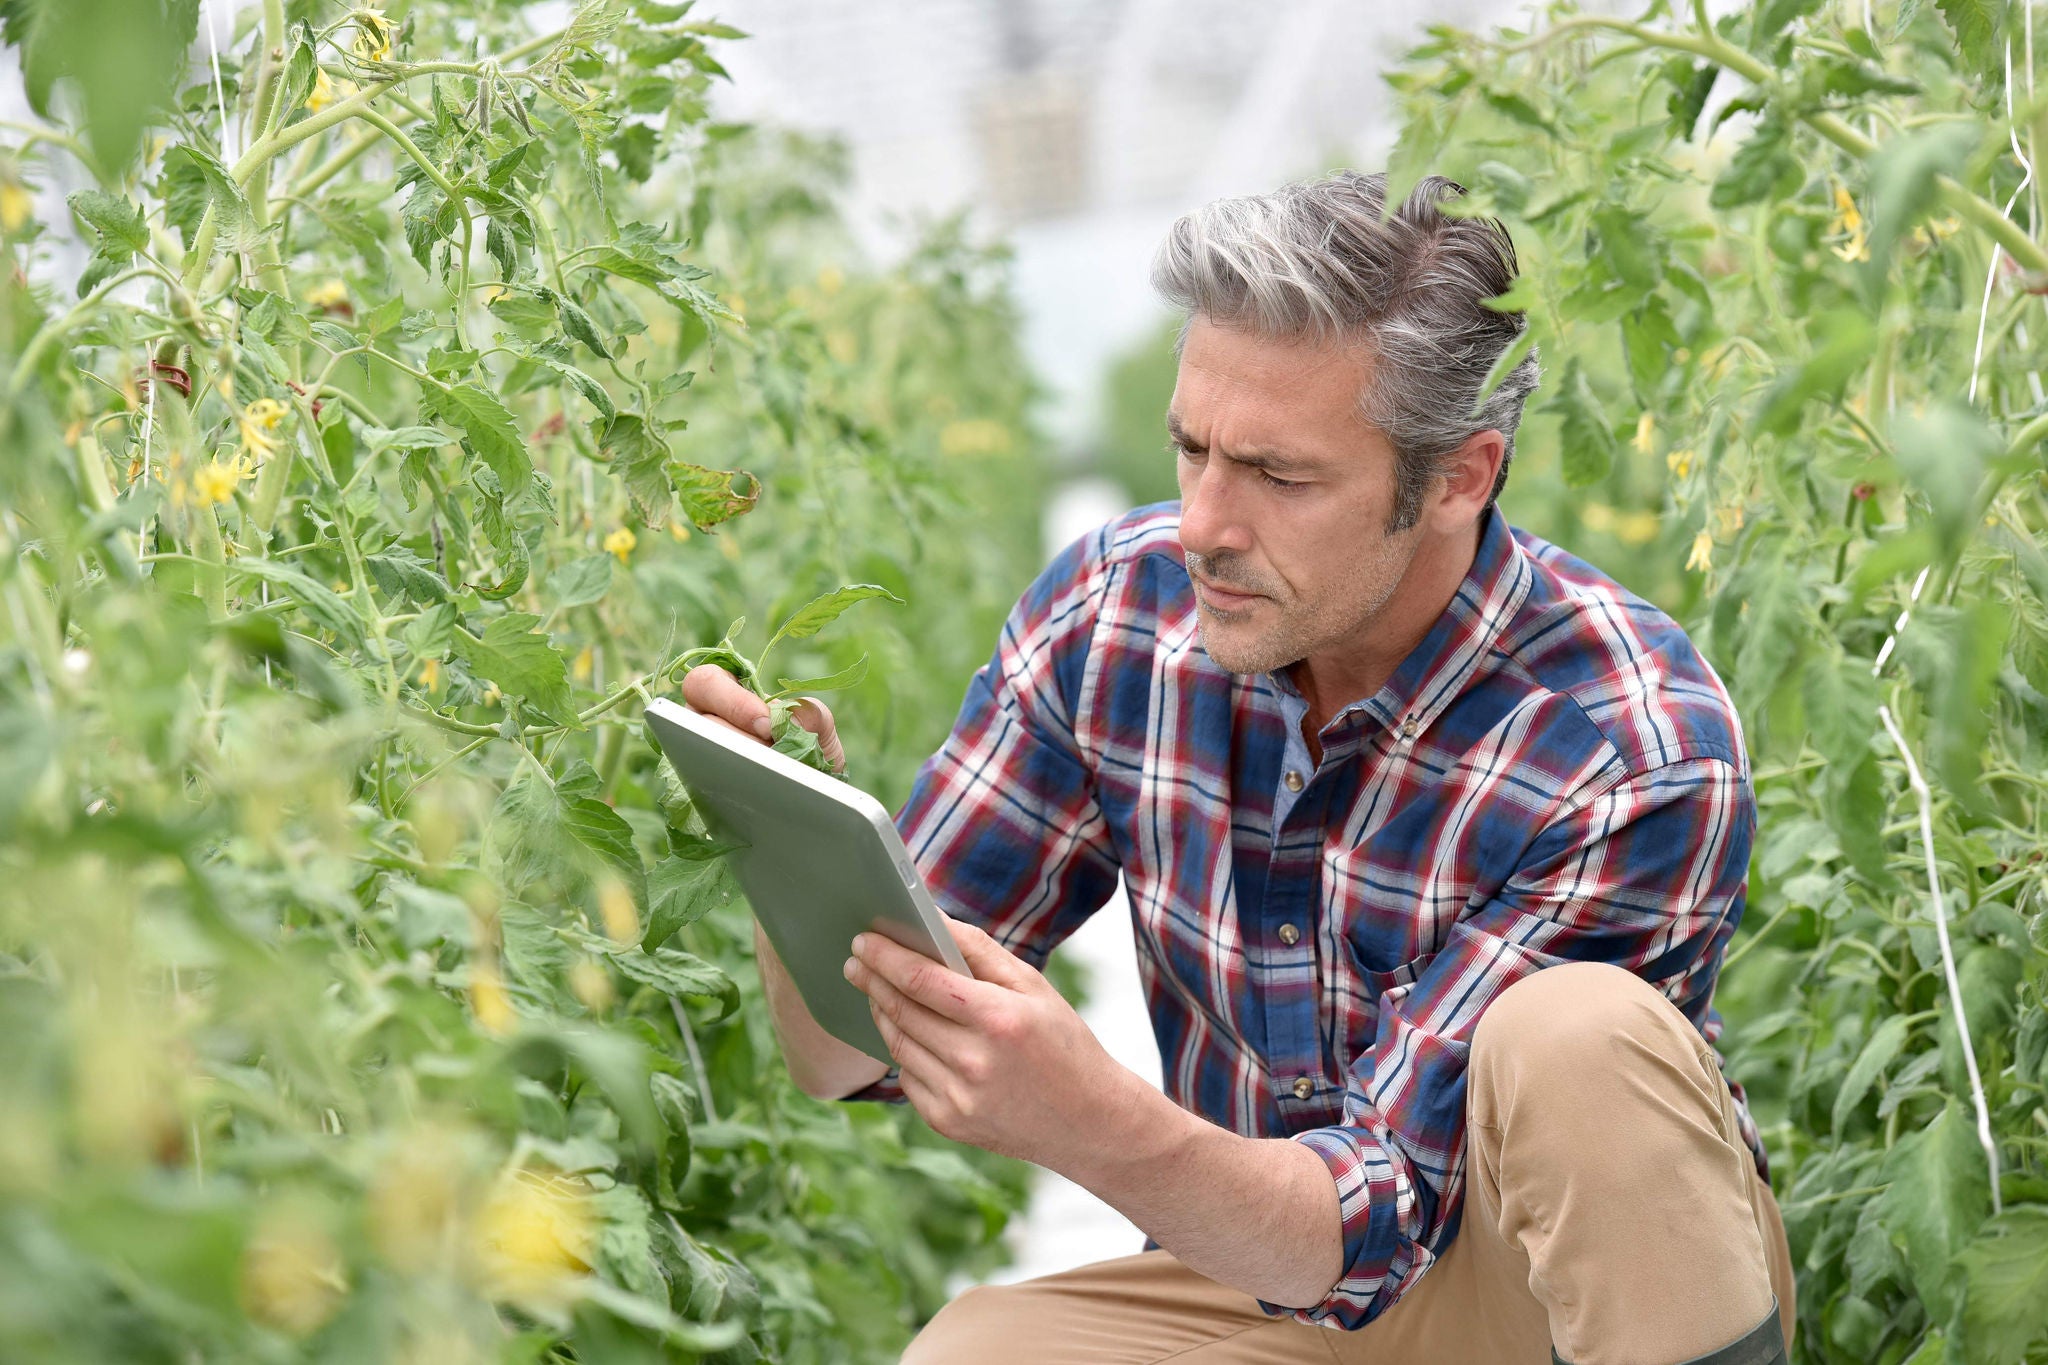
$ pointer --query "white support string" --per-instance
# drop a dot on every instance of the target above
(220, 99)
(2012, 131)
(1948, 957)
(148, 439)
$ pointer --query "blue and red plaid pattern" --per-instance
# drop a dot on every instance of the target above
(1554, 774)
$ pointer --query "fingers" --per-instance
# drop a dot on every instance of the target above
(718, 694)
(816, 717)
(930, 1030)
(935, 986)
(990, 960)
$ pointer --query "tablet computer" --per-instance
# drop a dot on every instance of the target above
(818, 858)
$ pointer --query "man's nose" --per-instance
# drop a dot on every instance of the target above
(1208, 520)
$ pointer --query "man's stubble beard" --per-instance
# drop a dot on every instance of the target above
(1290, 628)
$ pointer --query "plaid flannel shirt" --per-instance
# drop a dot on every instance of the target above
(1553, 774)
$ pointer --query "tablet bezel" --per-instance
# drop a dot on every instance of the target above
(912, 919)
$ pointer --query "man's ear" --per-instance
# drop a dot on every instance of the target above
(1468, 477)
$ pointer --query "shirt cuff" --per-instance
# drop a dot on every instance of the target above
(888, 1090)
(1369, 1195)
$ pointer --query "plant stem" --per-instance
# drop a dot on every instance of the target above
(411, 149)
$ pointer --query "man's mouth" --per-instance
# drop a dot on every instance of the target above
(1223, 599)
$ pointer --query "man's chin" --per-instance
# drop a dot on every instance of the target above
(1246, 656)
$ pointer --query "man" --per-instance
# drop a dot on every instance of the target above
(1433, 837)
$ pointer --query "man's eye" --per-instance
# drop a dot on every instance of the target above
(1279, 483)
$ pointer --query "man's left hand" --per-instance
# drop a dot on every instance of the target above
(1000, 1061)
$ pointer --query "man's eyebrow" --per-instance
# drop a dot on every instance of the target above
(1255, 457)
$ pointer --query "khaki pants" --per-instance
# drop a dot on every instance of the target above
(1611, 1210)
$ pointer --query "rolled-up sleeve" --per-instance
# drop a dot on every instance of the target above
(1002, 821)
(1648, 874)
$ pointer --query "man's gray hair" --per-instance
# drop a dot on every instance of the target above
(1322, 260)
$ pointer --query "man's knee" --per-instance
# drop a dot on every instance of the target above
(1575, 1020)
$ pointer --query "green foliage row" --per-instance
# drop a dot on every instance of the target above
(371, 991)
(1760, 251)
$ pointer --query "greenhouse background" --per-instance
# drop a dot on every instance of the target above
(374, 992)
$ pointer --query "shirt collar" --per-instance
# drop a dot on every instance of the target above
(1432, 675)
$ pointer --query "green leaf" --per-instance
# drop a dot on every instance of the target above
(593, 392)
(126, 58)
(1587, 441)
(1942, 452)
(1846, 340)
(401, 573)
(579, 326)
(521, 661)
(1904, 189)
(117, 220)
(488, 427)
(1877, 1054)
(301, 73)
(320, 603)
(1975, 24)
(405, 438)
(2005, 1312)
(675, 972)
(1763, 167)
(1504, 366)
(680, 890)
(234, 223)
(712, 496)
(850, 676)
(822, 611)
(1772, 17)
(605, 833)
(1937, 1194)
(640, 458)
(581, 582)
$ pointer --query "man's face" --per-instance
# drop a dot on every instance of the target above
(1286, 494)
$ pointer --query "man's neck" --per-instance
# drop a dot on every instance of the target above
(1331, 680)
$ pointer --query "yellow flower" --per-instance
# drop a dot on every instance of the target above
(1679, 462)
(831, 279)
(259, 423)
(322, 93)
(331, 294)
(678, 530)
(1849, 224)
(373, 36)
(1702, 556)
(621, 916)
(216, 481)
(1597, 516)
(1637, 528)
(430, 674)
(580, 670)
(487, 998)
(1646, 434)
(292, 1277)
(534, 1238)
(593, 985)
(1728, 520)
(621, 543)
(16, 204)
(974, 436)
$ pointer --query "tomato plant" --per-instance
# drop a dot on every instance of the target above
(1786, 271)
(418, 388)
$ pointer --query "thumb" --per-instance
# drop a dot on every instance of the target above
(989, 960)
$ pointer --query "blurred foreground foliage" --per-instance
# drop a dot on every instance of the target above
(368, 993)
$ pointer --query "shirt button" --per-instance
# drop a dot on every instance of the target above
(1293, 780)
(1289, 934)
(1303, 1087)
(1408, 727)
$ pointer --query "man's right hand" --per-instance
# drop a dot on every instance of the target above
(711, 690)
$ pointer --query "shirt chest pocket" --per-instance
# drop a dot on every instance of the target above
(1377, 982)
